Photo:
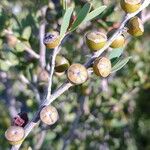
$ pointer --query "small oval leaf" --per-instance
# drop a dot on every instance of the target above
(120, 64)
(115, 53)
(26, 33)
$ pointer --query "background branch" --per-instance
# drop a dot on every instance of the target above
(41, 36)
(26, 48)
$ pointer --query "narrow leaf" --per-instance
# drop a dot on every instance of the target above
(108, 11)
(66, 21)
(115, 53)
(95, 13)
(120, 64)
(81, 16)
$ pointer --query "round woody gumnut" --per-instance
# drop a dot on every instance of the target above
(77, 74)
(52, 40)
(102, 66)
(135, 27)
(95, 40)
(61, 64)
(49, 115)
(14, 133)
(133, 2)
(130, 6)
(119, 41)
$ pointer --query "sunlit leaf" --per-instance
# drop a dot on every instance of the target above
(81, 16)
(26, 33)
(66, 21)
(95, 13)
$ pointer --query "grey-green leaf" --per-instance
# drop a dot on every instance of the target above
(120, 64)
(26, 33)
(66, 21)
(115, 53)
(81, 16)
(94, 13)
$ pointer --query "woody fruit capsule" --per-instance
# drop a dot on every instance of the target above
(135, 27)
(15, 134)
(130, 6)
(77, 74)
(52, 40)
(95, 40)
(119, 41)
(49, 115)
(102, 67)
(61, 64)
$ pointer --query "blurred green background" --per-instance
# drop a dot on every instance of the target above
(102, 114)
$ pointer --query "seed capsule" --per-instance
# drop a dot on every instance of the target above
(52, 40)
(62, 64)
(11, 40)
(95, 40)
(86, 89)
(118, 42)
(135, 27)
(130, 6)
(77, 74)
(59, 74)
(14, 134)
(49, 115)
(43, 75)
(102, 66)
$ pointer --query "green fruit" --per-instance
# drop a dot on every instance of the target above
(95, 40)
(52, 40)
(61, 64)
(118, 42)
(130, 6)
(102, 67)
(135, 27)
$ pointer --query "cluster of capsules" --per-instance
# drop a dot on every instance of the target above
(78, 73)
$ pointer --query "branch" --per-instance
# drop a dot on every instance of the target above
(70, 135)
(41, 36)
(50, 98)
(117, 33)
(42, 46)
(8, 94)
(33, 88)
(40, 140)
(53, 57)
(26, 48)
